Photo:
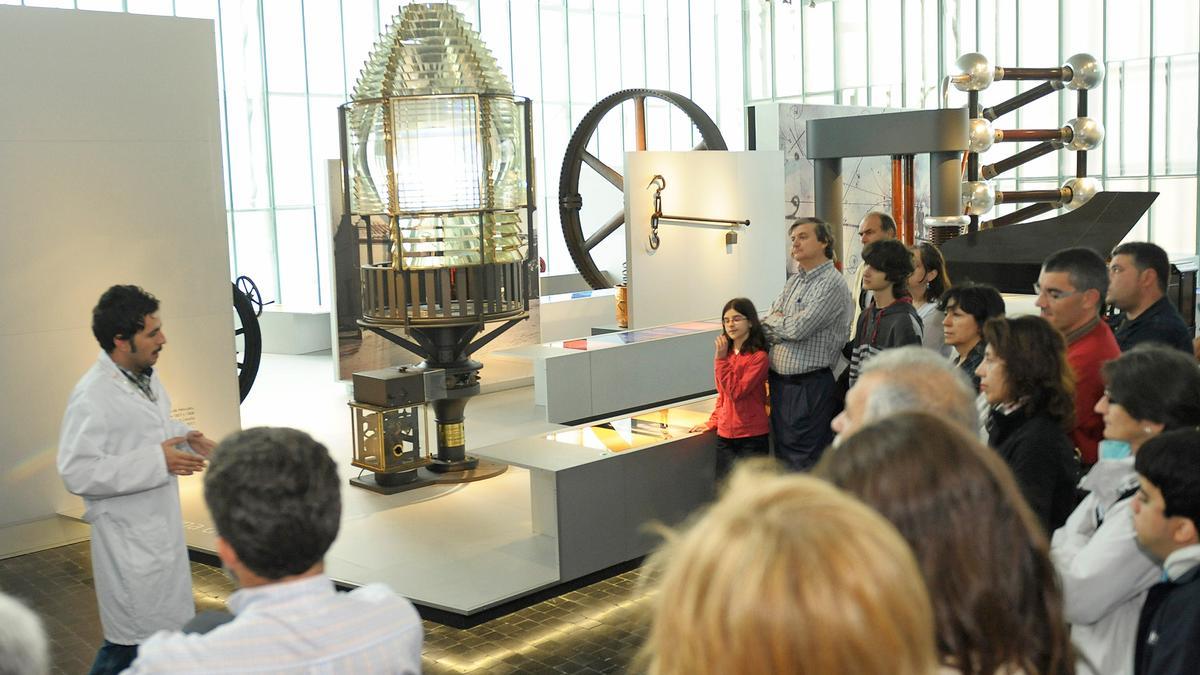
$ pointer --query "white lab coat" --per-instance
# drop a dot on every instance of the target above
(110, 453)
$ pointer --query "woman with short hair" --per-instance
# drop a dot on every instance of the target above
(996, 600)
(1149, 390)
(1029, 385)
(787, 574)
(966, 308)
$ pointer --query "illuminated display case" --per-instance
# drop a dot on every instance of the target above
(641, 430)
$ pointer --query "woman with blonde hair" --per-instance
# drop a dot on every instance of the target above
(996, 598)
(787, 574)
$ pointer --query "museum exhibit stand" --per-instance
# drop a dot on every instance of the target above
(574, 500)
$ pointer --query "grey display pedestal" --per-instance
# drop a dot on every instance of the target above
(597, 503)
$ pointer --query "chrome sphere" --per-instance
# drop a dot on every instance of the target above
(978, 196)
(974, 72)
(980, 135)
(1082, 190)
(1086, 133)
(1087, 72)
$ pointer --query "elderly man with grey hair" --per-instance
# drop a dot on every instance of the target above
(23, 646)
(908, 379)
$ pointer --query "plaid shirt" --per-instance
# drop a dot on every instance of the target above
(809, 321)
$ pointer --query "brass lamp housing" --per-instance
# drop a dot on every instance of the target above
(387, 440)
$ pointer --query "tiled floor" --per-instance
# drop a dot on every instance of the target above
(596, 629)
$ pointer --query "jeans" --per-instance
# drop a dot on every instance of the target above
(729, 450)
(113, 658)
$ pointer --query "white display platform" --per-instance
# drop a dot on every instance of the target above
(587, 378)
(568, 505)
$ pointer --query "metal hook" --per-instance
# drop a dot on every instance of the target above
(662, 184)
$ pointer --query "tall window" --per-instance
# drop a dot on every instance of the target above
(895, 52)
(286, 65)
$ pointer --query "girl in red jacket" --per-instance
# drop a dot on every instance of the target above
(740, 365)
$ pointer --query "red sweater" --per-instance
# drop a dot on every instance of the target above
(741, 395)
(1086, 354)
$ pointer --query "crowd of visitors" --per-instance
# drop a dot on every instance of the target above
(1044, 471)
(1004, 495)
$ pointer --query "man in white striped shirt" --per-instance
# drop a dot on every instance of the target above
(274, 496)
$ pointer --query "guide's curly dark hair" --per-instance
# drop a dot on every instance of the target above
(121, 313)
(1035, 364)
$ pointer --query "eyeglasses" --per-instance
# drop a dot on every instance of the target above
(734, 319)
(1052, 293)
(1111, 401)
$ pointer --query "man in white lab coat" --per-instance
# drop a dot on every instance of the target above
(121, 451)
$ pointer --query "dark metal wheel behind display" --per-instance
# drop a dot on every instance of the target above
(249, 347)
(570, 201)
(250, 289)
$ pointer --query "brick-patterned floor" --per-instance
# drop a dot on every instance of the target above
(596, 629)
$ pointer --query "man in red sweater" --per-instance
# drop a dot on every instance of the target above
(1071, 290)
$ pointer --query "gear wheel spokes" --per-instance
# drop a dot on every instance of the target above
(570, 202)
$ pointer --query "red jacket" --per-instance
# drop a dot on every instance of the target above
(1086, 354)
(741, 395)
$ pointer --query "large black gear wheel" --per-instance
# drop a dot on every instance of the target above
(570, 201)
(249, 348)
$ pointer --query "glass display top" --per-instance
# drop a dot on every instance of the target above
(640, 335)
(637, 431)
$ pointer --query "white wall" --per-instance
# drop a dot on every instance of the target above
(693, 273)
(110, 172)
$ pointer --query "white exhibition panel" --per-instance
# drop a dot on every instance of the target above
(693, 272)
(110, 172)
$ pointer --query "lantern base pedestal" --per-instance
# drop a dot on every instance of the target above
(453, 465)
(394, 483)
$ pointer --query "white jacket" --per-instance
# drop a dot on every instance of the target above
(110, 453)
(1104, 574)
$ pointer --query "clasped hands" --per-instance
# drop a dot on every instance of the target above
(183, 463)
(721, 344)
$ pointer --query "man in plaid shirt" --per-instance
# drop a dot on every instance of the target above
(807, 327)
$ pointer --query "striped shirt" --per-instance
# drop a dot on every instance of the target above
(809, 321)
(301, 626)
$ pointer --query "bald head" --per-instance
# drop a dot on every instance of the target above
(909, 379)
(876, 226)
